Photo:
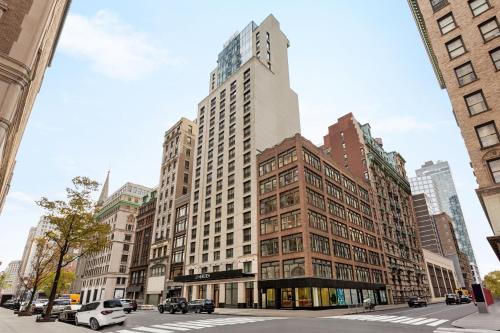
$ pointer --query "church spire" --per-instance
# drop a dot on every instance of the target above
(104, 191)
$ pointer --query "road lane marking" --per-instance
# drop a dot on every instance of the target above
(429, 320)
(412, 320)
(149, 329)
(439, 322)
(169, 327)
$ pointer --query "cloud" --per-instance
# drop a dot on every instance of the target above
(21, 197)
(112, 47)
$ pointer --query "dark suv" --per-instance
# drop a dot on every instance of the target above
(414, 301)
(201, 305)
(452, 299)
(174, 304)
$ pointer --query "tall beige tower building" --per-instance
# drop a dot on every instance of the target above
(29, 31)
(250, 107)
(168, 243)
(462, 40)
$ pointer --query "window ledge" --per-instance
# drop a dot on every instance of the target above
(492, 146)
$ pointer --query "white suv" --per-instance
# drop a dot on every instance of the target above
(102, 313)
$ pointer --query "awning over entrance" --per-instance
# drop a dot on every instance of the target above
(233, 274)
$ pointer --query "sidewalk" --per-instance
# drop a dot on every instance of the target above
(10, 323)
(486, 321)
(302, 313)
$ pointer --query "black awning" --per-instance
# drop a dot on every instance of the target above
(233, 274)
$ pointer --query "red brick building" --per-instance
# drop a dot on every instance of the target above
(319, 242)
(352, 146)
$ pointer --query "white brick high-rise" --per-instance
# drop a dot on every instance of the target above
(250, 107)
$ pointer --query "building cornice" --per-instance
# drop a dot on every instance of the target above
(422, 29)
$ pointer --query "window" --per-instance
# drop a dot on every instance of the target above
(288, 177)
(229, 253)
(287, 157)
(247, 218)
(247, 249)
(479, 6)
(495, 57)
(216, 242)
(269, 225)
(339, 229)
(332, 173)
(359, 254)
(290, 220)
(476, 103)
(336, 209)
(247, 234)
(317, 221)
(267, 166)
(322, 268)
(293, 268)
(312, 160)
(270, 270)
(247, 267)
(489, 29)
(455, 47)
(289, 198)
(344, 272)
(268, 185)
(494, 166)
(269, 247)
(268, 205)
(341, 250)
(315, 199)
(292, 243)
(438, 4)
(216, 256)
(447, 23)
(465, 74)
(313, 179)
(247, 171)
(230, 238)
(320, 244)
(487, 134)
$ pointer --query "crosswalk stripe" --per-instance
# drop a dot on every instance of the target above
(428, 320)
(439, 322)
(398, 319)
(149, 329)
(186, 326)
(125, 331)
(413, 320)
(389, 318)
(169, 327)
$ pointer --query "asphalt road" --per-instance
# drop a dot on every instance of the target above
(434, 318)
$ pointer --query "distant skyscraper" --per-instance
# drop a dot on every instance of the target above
(426, 225)
(448, 202)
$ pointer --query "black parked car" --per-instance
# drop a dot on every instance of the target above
(174, 304)
(201, 305)
(414, 301)
(12, 304)
(452, 299)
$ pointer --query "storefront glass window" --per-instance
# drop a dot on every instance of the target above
(347, 296)
(232, 294)
(383, 297)
(270, 298)
(287, 298)
(333, 296)
(315, 297)
(325, 297)
(303, 297)
(340, 297)
(354, 296)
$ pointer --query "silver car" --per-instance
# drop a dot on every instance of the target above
(58, 306)
(127, 305)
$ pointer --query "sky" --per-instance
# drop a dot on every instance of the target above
(123, 73)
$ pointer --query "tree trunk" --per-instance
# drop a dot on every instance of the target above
(53, 291)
